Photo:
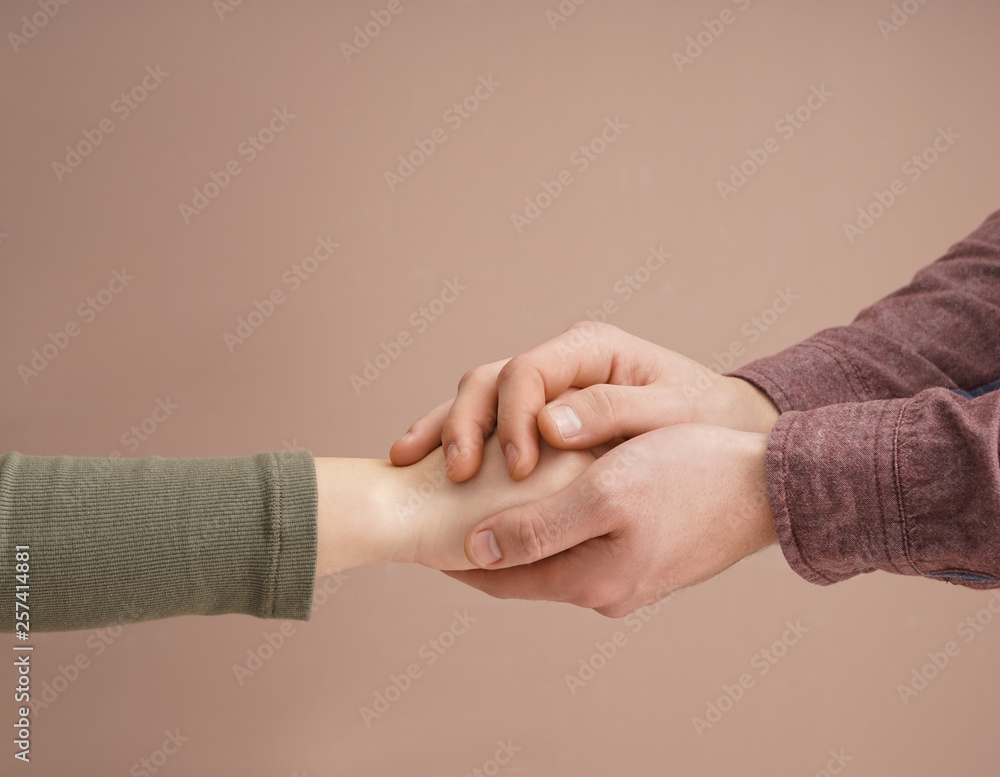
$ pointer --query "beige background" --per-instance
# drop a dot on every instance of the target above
(289, 384)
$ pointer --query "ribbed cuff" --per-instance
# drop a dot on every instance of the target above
(116, 541)
(295, 555)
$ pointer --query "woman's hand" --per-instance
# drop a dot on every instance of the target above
(371, 512)
(432, 515)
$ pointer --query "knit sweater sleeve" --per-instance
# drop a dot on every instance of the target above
(107, 541)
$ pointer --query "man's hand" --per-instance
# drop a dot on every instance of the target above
(629, 386)
(663, 511)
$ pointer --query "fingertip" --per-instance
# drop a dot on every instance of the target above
(557, 436)
(463, 460)
(470, 552)
(564, 420)
(521, 458)
(423, 436)
(416, 444)
(482, 549)
(512, 455)
(402, 452)
(459, 471)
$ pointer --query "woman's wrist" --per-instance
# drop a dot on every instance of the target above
(354, 521)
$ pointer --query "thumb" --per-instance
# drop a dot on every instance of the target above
(606, 412)
(532, 531)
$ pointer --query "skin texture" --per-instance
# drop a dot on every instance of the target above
(679, 494)
(371, 512)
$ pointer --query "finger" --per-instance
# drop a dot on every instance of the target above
(602, 413)
(585, 354)
(423, 437)
(471, 420)
(577, 576)
(536, 530)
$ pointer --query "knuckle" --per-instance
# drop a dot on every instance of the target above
(619, 610)
(487, 423)
(561, 518)
(601, 490)
(605, 405)
(512, 367)
(470, 377)
(594, 596)
(519, 378)
(619, 596)
(449, 431)
(590, 599)
(530, 539)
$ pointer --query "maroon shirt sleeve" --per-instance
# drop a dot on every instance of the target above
(875, 462)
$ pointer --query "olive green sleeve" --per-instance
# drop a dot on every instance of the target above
(117, 540)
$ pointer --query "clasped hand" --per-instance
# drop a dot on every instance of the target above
(676, 493)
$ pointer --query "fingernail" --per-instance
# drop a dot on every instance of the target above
(512, 454)
(567, 421)
(484, 546)
(451, 453)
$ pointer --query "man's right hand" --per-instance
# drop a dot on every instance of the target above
(629, 387)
